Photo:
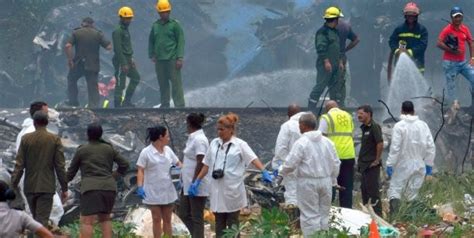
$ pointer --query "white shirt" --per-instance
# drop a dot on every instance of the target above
(13, 223)
(289, 133)
(197, 144)
(158, 186)
(323, 124)
(312, 156)
(228, 193)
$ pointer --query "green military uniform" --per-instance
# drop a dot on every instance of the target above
(96, 160)
(123, 57)
(166, 46)
(41, 156)
(98, 186)
(327, 47)
(87, 41)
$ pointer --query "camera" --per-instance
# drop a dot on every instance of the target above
(218, 174)
(452, 42)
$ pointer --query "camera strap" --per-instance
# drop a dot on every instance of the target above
(225, 156)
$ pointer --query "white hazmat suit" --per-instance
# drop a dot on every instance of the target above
(289, 133)
(412, 148)
(315, 160)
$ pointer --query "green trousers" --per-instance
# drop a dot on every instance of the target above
(334, 81)
(92, 89)
(40, 206)
(167, 74)
(121, 78)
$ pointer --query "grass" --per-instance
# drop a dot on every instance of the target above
(119, 229)
(443, 190)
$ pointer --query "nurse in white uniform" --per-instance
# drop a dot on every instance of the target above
(226, 160)
(154, 182)
(192, 208)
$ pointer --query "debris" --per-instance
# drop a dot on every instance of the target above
(209, 216)
(141, 218)
(468, 205)
(446, 211)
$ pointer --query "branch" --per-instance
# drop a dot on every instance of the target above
(388, 109)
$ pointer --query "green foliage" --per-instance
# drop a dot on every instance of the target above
(332, 233)
(271, 224)
(418, 212)
(461, 231)
(444, 188)
(119, 229)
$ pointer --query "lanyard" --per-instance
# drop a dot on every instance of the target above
(225, 157)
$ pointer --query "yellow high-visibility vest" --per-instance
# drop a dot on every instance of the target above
(340, 131)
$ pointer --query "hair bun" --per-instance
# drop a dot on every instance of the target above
(233, 118)
(202, 117)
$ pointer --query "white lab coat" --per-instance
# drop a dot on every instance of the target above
(158, 186)
(57, 210)
(289, 133)
(412, 148)
(228, 193)
(197, 144)
(315, 160)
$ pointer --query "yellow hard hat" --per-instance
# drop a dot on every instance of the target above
(332, 12)
(126, 12)
(163, 6)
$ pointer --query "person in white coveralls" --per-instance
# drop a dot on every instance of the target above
(411, 157)
(314, 159)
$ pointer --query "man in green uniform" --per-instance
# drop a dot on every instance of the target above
(123, 62)
(329, 62)
(40, 156)
(87, 41)
(166, 50)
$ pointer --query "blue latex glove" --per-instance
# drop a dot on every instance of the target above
(429, 170)
(389, 171)
(141, 193)
(194, 188)
(266, 176)
(275, 173)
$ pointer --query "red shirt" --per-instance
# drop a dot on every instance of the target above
(463, 34)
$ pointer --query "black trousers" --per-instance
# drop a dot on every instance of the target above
(225, 221)
(191, 211)
(370, 187)
(346, 180)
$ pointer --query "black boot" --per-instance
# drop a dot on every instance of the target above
(117, 102)
(127, 103)
(312, 105)
(394, 206)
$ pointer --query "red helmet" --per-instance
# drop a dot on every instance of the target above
(411, 9)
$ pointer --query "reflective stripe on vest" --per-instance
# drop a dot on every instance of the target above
(340, 127)
(409, 34)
